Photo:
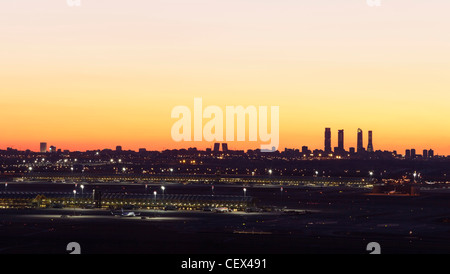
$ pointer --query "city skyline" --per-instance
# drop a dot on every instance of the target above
(328, 149)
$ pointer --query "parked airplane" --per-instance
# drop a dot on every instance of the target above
(125, 213)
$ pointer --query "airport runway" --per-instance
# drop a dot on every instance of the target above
(341, 220)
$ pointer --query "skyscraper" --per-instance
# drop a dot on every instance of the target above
(327, 140)
(43, 147)
(408, 153)
(341, 140)
(360, 146)
(216, 147)
(425, 154)
(370, 145)
(224, 147)
(431, 153)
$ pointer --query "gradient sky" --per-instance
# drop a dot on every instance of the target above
(109, 72)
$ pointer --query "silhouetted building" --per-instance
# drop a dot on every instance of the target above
(370, 145)
(341, 141)
(352, 150)
(413, 153)
(216, 147)
(224, 147)
(425, 154)
(306, 151)
(118, 148)
(43, 147)
(52, 149)
(327, 140)
(408, 154)
(360, 145)
(431, 153)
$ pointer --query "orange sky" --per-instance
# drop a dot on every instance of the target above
(109, 73)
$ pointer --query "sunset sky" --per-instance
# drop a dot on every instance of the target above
(109, 72)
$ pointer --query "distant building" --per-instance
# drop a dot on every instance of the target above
(413, 153)
(328, 140)
(216, 147)
(224, 147)
(431, 153)
(425, 154)
(142, 150)
(370, 145)
(43, 147)
(119, 148)
(352, 150)
(408, 154)
(341, 141)
(52, 149)
(360, 145)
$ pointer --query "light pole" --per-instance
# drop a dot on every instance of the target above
(163, 188)
(82, 188)
(6, 186)
(74, 193)
(245, 191)
(281, 195)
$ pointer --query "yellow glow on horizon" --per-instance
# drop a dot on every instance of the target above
(102, 75)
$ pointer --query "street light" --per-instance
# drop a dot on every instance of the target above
(245, 190)
(163, 188)
(281, 194)
(82, 188)
(270, 172)
(74, 193)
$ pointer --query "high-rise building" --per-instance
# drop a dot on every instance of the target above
(413, 153)
(216, 147)
(425, 154)
(370, 145)
(52, 149)
(328, 140)
(118, 148)
(360, 145)
(43, 147)
(341, 140)
(431, 153)
(408, 154)
(305, 151)
(224, 147)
